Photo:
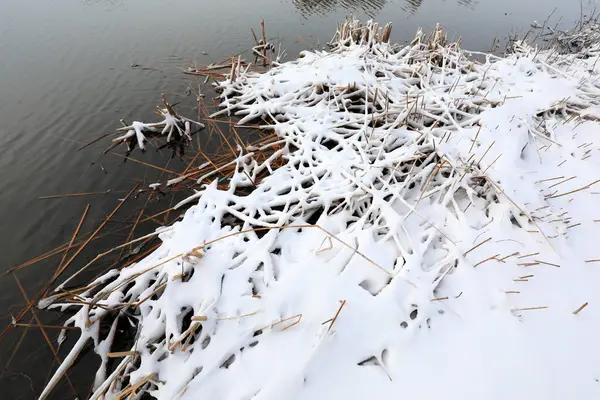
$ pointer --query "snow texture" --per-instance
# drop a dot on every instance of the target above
(431, 235)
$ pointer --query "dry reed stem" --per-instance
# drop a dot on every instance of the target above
(133, 388)
(476, 246)
(111, 379)
(62, 196)
(508, 256)
(134, 226)
(523, 211)
(158, 214)
(584, 305)
(146, 164)
(528, 255)
(568, 193)
(529, 264)
(561, 182)
(264, 42)
(484, 154)
(336, 315)
(476, 136)
(547, 263)
(158, 289)
(120, 354)
(493, 162)
(44, 333)
(140, 256)
(94, 234)
(61, 327)
(486, 260)
(550, 179)
(299, 316)
(64, 257)
(66, 265)
(530, 308)
(295, 227)
(329, 247)
(16, 347)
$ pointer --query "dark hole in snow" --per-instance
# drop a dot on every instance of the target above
(514, 221)
(205, 342)
(186, 320)
(228, 362)
(163, 356)
(260, 232)
(254, 289)
(284, 191)
(368, 287)
(404, 324)
(369, 361)
(330, 144)
(307, 184)
(147, 396)
(315, 216)
(188, 275)
(414, 314)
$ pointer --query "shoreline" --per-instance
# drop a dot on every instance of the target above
(402, 140)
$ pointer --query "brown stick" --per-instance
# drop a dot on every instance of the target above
(44, 333)
(336, 315)
(47, 286)
(62, 196)
(16, 348)
(584, 305)
(87, 208)
(264, 39)
(93, 141)
(531, 308)
(147, 164)
(486, 260)
(476, 246)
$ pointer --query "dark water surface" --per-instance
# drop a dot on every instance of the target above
(66, 77)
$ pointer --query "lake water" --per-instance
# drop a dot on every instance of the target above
(66, 77)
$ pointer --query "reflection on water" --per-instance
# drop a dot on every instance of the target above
(467, 3)
(313, 7)
(369, 7)
(412, 5)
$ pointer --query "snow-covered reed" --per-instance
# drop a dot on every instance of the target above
(171, 123)
(430, 235)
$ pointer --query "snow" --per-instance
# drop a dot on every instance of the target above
(435, 245)
(171, 123)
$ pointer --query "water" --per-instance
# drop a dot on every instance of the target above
(66, 77)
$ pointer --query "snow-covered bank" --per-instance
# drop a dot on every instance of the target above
(430, 236)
